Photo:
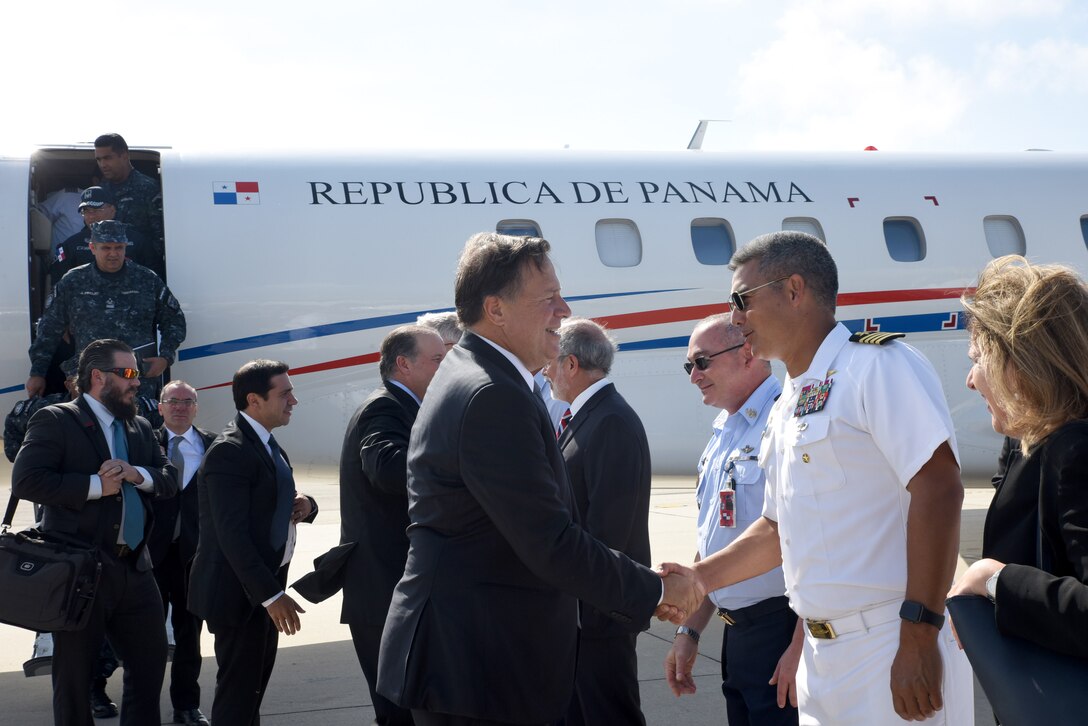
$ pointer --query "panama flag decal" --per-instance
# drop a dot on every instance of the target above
(236, 192)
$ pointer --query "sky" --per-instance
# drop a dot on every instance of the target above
(919, 75)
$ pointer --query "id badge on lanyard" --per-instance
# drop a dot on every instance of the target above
(727, 505)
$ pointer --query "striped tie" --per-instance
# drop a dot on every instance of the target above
(563, 423)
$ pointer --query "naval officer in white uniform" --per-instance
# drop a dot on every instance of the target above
(862, 501)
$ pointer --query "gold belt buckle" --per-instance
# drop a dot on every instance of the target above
(820, 629)
(726, 617)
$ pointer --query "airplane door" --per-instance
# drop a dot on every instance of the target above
(14, 278)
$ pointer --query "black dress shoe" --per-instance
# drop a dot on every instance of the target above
(190, 717)
(101, 705)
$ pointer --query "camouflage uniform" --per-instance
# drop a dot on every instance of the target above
(129, 305)
(16, 422)
(76, 251)
(139, 205)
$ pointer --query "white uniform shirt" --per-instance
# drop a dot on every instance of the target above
(732, 451)
(836, 478)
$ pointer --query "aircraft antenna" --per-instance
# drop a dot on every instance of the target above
(696, 143)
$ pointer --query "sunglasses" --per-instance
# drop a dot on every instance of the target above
(127, 373)
(703, 362)
(737, 298)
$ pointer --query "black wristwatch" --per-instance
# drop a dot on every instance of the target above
(915, 612)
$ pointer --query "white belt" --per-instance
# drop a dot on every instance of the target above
(861, 620)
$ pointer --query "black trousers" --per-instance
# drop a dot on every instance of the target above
(750, 653)
(127, 610)
(367, 639)
(171, 578)
(606, 683)
(245, 655)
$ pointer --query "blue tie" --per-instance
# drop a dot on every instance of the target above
(285, 496)
(132, 529)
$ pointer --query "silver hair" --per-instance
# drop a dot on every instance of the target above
(589, 342)
(445, 324)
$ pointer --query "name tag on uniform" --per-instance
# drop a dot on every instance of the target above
(727, 508)
(813, 398)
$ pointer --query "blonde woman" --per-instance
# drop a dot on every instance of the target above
(1029, 346)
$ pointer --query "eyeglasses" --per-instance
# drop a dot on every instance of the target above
(183, 402)
(737, 298)
(702, 362)
(127, 373)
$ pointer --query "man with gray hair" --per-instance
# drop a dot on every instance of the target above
(608, 460)
(757, 662)
(374, 495)
(863, 498)
(483, 624)
(445, 324)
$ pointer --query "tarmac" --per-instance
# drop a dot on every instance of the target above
(317, 680)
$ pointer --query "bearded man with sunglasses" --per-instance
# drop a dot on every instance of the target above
(761, 643)
(95, 466)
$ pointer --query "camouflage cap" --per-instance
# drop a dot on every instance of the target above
(108, 230)
(95, 198)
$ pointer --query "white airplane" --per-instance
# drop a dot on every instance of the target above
(313, 259)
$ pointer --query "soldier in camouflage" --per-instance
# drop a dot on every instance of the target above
(111, 298)
(139, 199)
(97, 205)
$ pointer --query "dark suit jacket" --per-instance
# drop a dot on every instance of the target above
(1050, 606)
(64, 446)
(184, 505)
(235, 568)
(374, 502)
(1011, 531)
(608, 461)
(484, 621)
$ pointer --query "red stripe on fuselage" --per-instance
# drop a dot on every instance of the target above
(677, 315)
(355, 360)
(698, 312)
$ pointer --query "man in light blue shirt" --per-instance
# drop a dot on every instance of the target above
(759, 648)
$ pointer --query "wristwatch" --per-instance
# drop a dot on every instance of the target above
(690, 632)
(915, 612)
(991, 586)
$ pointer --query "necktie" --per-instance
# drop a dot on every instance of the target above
(132, 528)
(285, 496)
(178, 460)
(564, 422)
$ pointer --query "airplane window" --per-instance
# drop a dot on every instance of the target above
(1084, 229)
(619, 243)
(807, 225)
(1004, 236)
(904, 239)
(712, 240)
(519, 228)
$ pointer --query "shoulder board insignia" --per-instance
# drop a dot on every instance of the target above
(19, 407)
(875, 338)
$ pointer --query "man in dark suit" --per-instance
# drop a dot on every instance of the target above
(248, 511)
(482, 627)
(95, 466)
(374, 495)
(608, 461)
(173, 544)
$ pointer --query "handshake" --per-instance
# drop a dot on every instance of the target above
(684, 592)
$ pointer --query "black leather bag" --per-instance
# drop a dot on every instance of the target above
(47, 580)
